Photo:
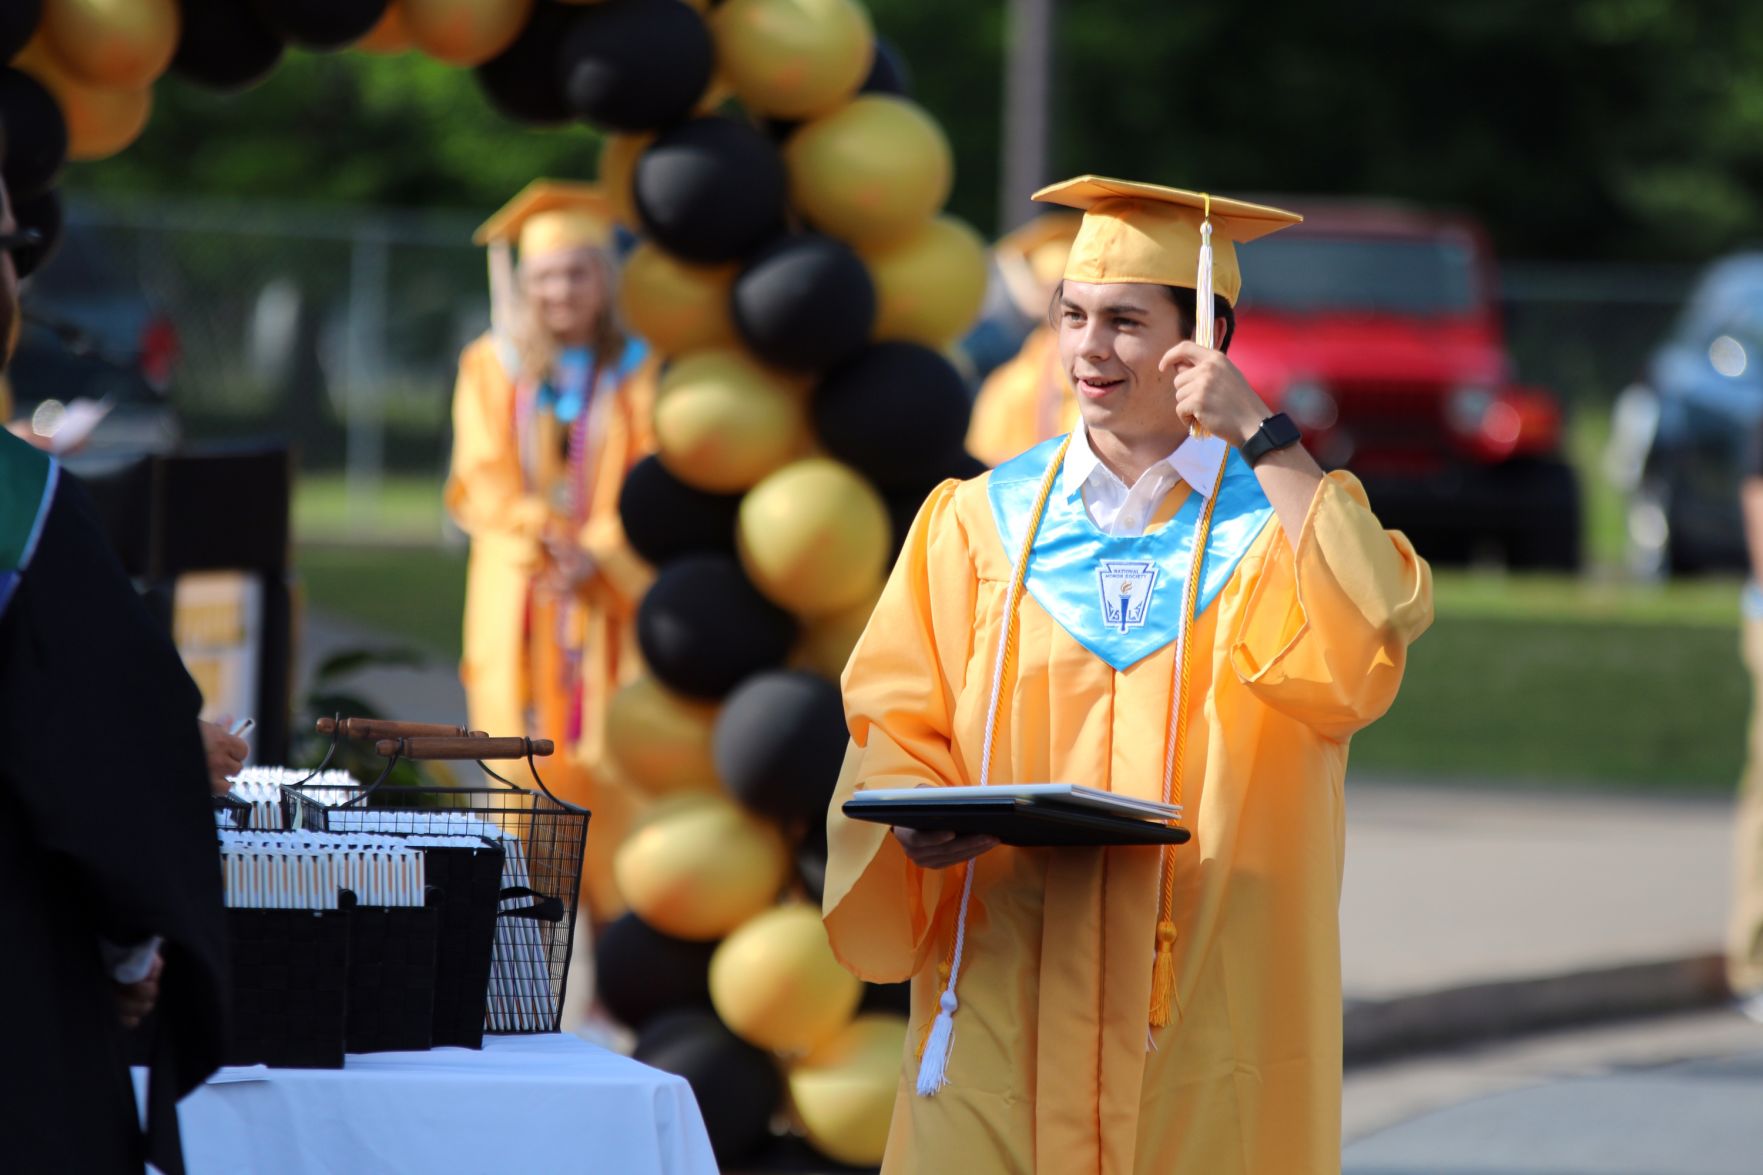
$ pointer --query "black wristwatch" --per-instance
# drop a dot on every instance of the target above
(1276, 432)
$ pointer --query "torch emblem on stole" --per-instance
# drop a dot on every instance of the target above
(1126, 592)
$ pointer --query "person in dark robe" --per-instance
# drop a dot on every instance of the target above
(110, 884)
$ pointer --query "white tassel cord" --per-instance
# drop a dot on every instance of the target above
(933, 1065)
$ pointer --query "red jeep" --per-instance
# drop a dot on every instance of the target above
(1377, 329)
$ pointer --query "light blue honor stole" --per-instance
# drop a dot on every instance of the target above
(1121, 596)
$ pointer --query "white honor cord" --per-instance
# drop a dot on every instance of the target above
(933, 1066)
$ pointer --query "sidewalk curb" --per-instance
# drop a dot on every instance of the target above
(1377, 1030)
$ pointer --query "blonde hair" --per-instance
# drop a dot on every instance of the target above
(536, 349)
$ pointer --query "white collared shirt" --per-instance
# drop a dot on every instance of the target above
(1118, 509)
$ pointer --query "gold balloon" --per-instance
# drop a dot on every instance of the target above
(929, 285)
(827, 642)
(813, 537)
(618, 157)
(111, 44)
(872, 172)
(844, 1090)
(675, 306)
(390, 35)
(776, 984)
(697, 866)
(723, 421)
(465, 32)
(100, 122)
(659, 740)
(793, 59)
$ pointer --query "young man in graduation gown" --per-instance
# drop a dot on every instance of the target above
(1127, 1009)
(110, 896)
(551, 410)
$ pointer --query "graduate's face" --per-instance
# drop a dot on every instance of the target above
(567, 292)
(1111, 338)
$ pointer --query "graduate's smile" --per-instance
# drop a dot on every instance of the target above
(1094, 387)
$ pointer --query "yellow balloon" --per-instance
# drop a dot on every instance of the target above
(776, 984)
(723, 421)
(872, 172)
(929, 285)
(827, 642)
(697, 866)
(677, 307)
(100, 122)
(618, 156)
(813, 537)
(390, 35)
(465, 32)
(844, 1090)
(793, 59)
(659, 740)
(111, 44)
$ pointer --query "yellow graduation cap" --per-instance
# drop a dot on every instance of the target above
(1135, 232)
(550, 215)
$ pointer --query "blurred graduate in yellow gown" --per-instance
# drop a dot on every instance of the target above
(551, 410)
(1127, 1009)
(1028, 398)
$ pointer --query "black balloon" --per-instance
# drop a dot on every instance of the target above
(521, 81)
(804, 303)
(889, 73)
(703, 627)
(887, 997)
(322, 24)
(778, 743)
(895, 412)
(640, 973)
(43, 213)
(35, 142)
(664, 518)
(710, 190)
(737, 1086)
(905, 502)
(635, 65)
(225, 45)
(18, 21)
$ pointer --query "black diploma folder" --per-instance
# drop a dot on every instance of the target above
(1028, 815)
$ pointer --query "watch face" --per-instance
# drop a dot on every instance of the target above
(1282, 431)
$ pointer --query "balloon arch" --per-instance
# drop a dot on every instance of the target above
(794, 267)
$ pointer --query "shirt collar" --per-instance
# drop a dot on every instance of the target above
(1195, 461)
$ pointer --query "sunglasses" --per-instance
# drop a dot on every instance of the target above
(26, 247)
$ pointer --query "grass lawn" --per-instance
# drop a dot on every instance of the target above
(406, 510)
(413, 595)
(1558, 683)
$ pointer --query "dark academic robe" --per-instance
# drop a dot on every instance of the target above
(106, 832)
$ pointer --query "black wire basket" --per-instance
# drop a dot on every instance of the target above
(532, 920)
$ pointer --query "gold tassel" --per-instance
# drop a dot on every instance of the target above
(1163, 975)
(930, 1021)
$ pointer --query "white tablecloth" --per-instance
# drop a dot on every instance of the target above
(525, 1104)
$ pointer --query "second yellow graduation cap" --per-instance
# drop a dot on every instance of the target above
(551, 215)
(1135, 232)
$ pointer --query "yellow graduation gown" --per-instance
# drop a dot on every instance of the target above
(1023, 402)
(1050, 1069)
(512, 662)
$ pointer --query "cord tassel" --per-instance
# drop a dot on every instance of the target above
(1163, 975)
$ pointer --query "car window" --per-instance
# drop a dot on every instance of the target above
(1317, 274)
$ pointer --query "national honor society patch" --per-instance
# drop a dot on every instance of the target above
(1126, 585)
